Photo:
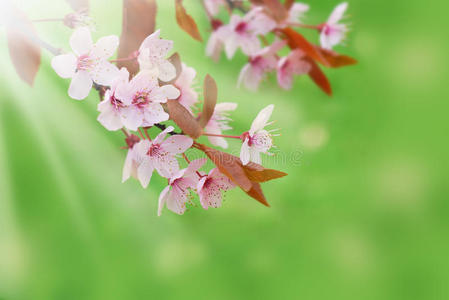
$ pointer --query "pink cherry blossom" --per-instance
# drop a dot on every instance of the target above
(88, 63)
(176, 194)
(332, 32)
(210, 188)
(243, 31)
(259, 64)
(257, 140)
(213, 6)
(144, 97)
(184, 83)
(219, 122)
(290, 65)
(113, 111)
(152, 57)
(158, 154)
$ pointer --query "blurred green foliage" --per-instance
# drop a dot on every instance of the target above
(363, 213)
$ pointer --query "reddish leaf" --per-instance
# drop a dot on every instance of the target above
(25, 54)
(288, 4)
(186, 22)
(275, 9)
(78, 5)
(210, 99)
(246, 177)
(298, 41)
(139, 21)
(336, 60)
(319, 77)
(182, 117)
(230, 166)
(257, 193)
(262, 175)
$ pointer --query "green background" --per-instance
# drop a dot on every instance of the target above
(363, 214)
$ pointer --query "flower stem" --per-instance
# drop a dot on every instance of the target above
(223, 135)
(141, 133)
(317, 27)
(122, 59)
(145, 129)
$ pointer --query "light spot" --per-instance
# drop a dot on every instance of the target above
(313, 136)
(401, 182)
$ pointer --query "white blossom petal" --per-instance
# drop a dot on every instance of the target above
(105, 47)
(337, 13)
(80, 86)
(109, 117)
(154, 113)
(244, 153)
(127, 166)
(162, 199)
(81, 41)
(144, 172)
(170, 91)
(167, 71)
(104, 73)
(262, 118)
(64, 65)
(177, 144)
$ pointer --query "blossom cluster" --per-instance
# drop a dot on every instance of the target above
(134, 103)
(260, 23)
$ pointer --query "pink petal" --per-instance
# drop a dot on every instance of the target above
(105, 47)
(81, 41)
(64, 65)
(80, 86)
(177, 144)
(166, 71)
(127, 166)
(195, 165)
(337, 13)
(262, 118)
(160, 137)
(104, 73)
(153, 114)
(170, 91)
(214, 46)
(108, 116)
(231, 45)
(244, 153)
(177, 199)
(163, 199)
(144, 172)
(166, 165)
(131, 117)
(221, 180)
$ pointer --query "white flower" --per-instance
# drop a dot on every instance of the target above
(152, 57)
(257, 139)
(332, 33)
(88, 63)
